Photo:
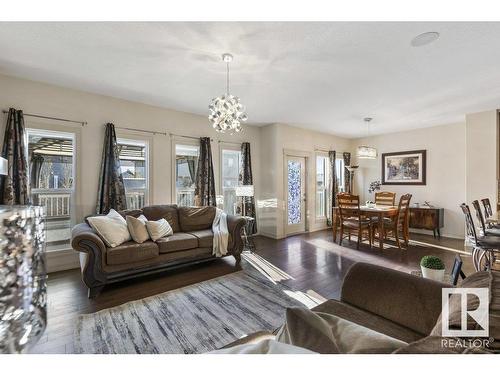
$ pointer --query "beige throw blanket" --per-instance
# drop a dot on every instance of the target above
(221, 233)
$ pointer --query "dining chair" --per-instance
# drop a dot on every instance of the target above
(487, 231)
(398, 226)
(456, 270)
(385, 198)
(484, 248)
(336, 220)
(488, 212)
(351, 219)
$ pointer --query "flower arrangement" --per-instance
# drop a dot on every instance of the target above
(374, 186)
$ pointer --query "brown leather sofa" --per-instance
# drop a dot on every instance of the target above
(191, 243)
(407, 308)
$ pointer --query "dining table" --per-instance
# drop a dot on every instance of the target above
(376, 211)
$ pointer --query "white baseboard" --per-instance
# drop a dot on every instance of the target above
(62, 260)
(444, 234)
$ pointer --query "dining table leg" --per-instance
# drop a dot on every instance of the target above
(381, 231)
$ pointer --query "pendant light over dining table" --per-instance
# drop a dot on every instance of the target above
(226, 111)
(367, 152)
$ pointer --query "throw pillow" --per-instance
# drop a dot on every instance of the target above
(158, 229)
(327, 333)
(112, 228)
(137, 228)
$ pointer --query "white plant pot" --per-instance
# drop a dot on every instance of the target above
(429, 273)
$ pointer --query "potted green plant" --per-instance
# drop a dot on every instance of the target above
(432, 267)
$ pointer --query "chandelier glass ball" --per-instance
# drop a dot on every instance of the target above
(226, 111)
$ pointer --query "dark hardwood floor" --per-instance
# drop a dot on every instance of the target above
(314, 262)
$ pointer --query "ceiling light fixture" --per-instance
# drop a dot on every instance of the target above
(424, 39)
(367, 152)
(226, 111)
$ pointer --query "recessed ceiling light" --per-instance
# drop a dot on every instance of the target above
(425, 38)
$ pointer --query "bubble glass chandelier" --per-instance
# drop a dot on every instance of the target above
(226, 111)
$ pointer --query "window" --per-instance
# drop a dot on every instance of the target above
(51, 178)
(322, 178)
(186, 163)
(339, 168)
(230, 171)
(134, 170)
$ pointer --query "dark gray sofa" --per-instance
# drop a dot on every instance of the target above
(191, 243)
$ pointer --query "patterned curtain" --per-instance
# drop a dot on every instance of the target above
(192, 168)
(14, 187)
(332, 155)
(205, 182)
(347, 174)
(36, 163)
(111, 192)
(246, 178)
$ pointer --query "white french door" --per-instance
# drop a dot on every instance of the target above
(295, 170)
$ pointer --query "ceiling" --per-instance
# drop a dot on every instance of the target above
(320, 76)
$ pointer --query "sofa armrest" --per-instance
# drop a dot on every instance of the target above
(86, 240)
(411, 301)
(234, 225)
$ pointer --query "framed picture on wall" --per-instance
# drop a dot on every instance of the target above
(404, 168)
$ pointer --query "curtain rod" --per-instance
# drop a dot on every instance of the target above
(83, 123)
(187, 136)
(231, 143)
(141, 130)
(337, 151)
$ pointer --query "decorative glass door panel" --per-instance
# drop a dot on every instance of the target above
(294, 196)
(295, 213)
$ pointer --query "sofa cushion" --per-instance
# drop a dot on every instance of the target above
(158, 229)
(112, 228)
(369, 320)
(328, 333)
(205, 237)
(196, 218)
(483, 279)
(131, 252)
(137, 228)
(177, 242)
(166, 211)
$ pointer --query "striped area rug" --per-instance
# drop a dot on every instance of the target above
(194, 319)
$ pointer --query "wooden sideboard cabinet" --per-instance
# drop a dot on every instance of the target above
(431, 218)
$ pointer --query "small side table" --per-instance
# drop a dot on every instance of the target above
(248, 244)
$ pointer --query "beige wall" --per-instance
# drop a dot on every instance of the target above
(276, 141)
(39, 98)
(482, 156)
(462, 163)
(445, 169)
